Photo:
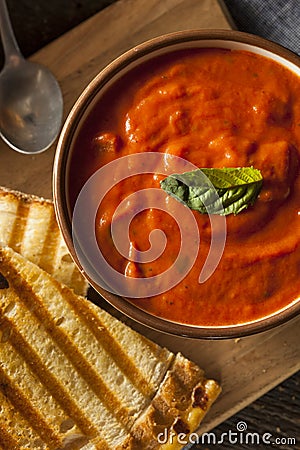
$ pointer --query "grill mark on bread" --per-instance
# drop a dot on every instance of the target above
(16, 368)
(55, 389)
(18, 228)
(39, 239)
(84, 368)
(51, 244)
(21, 403)
(14, 424)
(7, 442)
(53, 385)
(102, 334)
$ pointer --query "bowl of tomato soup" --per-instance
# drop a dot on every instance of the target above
(177, 183)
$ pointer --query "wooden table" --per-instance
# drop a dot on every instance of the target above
(247, 368)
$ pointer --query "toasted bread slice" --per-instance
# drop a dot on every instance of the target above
(28, 226)
(72, 376)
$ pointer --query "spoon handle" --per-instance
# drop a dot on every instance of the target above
(10, 46)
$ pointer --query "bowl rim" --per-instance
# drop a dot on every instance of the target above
(59, 180)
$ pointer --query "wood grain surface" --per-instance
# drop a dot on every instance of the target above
(246, 368)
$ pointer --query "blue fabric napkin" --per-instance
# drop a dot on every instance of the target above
(277, 20)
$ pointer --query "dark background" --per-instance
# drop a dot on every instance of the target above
(38, 22)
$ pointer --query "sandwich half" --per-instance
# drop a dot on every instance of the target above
(72, 376)
(28, 225)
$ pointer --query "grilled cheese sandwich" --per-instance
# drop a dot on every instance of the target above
(72, 376)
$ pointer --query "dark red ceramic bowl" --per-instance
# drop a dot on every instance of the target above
(78, 114)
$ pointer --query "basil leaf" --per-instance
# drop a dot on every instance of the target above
(215, 191)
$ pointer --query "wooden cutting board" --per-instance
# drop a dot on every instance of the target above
(246, 368)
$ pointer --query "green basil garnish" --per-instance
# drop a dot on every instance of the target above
(215, 191)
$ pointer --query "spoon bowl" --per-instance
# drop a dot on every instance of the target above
(30, 107)
(31, 104)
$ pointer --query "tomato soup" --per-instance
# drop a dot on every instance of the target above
(215, 108)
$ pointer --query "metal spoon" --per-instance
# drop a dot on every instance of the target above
(31, 102)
